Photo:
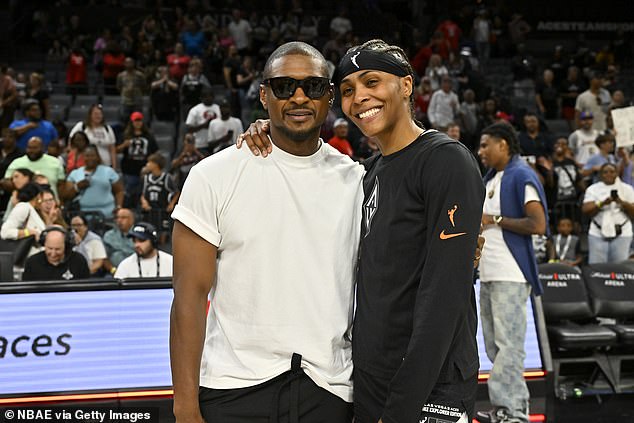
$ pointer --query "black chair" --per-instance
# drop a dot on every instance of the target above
(611, 289)
(576, 339)
(6, 266)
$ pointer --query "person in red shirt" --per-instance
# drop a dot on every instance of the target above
(76, 72)
(113, 64)
(340, 141)
(452, 33)
(178, 62)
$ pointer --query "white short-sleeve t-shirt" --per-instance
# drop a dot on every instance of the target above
(497, 262)
(287, 230)
(135, 267)
(610, 214)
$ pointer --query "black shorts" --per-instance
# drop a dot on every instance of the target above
(304, 403)
(447, 402)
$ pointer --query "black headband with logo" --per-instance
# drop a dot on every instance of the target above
(355, 61)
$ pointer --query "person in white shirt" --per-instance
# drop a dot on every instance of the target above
(224, 132)
(266, 332)
(443, 105)
(147, 261)
(610, 205)
(99, 133)
(340, 24)
(582, 141)
(596, 100)
(240, 30)
(200, 116)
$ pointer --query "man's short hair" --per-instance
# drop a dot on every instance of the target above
(504, 131)
(294, 48)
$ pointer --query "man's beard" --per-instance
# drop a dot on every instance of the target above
(35, 157)
(300, 136)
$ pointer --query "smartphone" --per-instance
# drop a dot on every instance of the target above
(614, 194)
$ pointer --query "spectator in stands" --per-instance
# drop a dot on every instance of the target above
(443, 105)
(164, 96)
(223, 131)
(39, 163)
(199, 117)
(340, 138)
(571, 87)
(159, 195)
(340, 24)
(113, 64)
(436, 71)
(8, 153)
(618, 100)
(247, 79)
(24, 219)
(33, 125)
(605, 144)
(193, 39)
(240, 31)
(547, 96)
(131, 85)
(230, 69)
(96, 187)
(20, 86)
(558, 66)
(192, 85)
(569, 181)
(534, 141)
(118, 244)
(8, 98)
(610, 204)
(564, 247)
(76, 79)
(138, 144)
(523, 68)
(482, 35)
(58, 261)
(468, 119)
(514, 209)
(37, 90)
(422, 97)
(308, 31)
(582, 141)
(452, 33)
(89, 244)
(57, 57)
(186, 159)
(147, 261)
(518, 28)
(178, 62)
(49, 208)
(75, 158)
(11, 186)
(99, 134)
(453, 131)
(595, 100)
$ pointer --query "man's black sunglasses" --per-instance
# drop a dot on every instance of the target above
(284, 87)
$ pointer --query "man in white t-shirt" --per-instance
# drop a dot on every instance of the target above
(514, 209)
(582, 140)
(147, 261)
(200, 116)
(279, 319)
(595, 100)
(224, 132)
(240, 31)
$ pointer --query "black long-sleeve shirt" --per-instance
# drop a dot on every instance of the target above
(416, 319)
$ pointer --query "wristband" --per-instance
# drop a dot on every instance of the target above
(498, 219)
(75, 187)
(113, 270)
(26, 232)
(599, 204)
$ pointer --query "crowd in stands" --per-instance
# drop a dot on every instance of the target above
(198, 76)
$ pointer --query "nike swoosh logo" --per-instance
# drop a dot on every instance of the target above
(443, 235)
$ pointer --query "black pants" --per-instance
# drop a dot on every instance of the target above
(446, 402)
(289, 398)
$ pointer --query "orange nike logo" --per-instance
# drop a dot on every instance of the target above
(450, 213)
(443, 235)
